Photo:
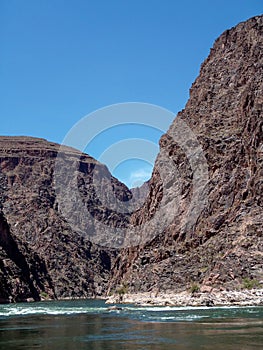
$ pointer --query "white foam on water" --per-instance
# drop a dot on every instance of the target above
(179, 308)
(19, 311)
(181, 318)
(12, 310)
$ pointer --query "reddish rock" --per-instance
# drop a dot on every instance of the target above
(206, 289)
(216, 231)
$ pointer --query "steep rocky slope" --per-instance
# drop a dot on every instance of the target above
(41, 255)
(214, 238)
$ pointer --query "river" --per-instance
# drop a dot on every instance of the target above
(88, 324)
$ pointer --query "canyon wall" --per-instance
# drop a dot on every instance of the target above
(201, 223)
(214, 237)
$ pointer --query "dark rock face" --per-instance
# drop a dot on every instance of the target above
(200, 224)
(223, 244)
(41, 255)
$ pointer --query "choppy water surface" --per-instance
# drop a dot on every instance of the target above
(89, 325)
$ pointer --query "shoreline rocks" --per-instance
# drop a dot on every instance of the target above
(253, 297)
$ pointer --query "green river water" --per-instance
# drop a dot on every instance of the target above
(88, 324)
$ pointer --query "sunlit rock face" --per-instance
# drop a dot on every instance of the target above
(214, 234)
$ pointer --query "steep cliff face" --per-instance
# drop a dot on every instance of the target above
(40, 252)
(214, 237)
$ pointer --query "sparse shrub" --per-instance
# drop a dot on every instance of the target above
(194, 288)
(122, 290)
(204, 269)
(249, 283)
(44, 295)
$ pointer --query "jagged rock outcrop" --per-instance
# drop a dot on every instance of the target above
(223, 244)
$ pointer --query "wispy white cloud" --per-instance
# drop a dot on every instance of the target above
(139, 176)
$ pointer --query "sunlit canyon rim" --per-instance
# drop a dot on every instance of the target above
(214, 242)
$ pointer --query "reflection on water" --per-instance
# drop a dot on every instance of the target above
(134, 328)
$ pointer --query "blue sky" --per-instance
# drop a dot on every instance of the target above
(62, 59)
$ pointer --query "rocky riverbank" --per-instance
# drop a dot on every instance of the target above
(253, 297)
